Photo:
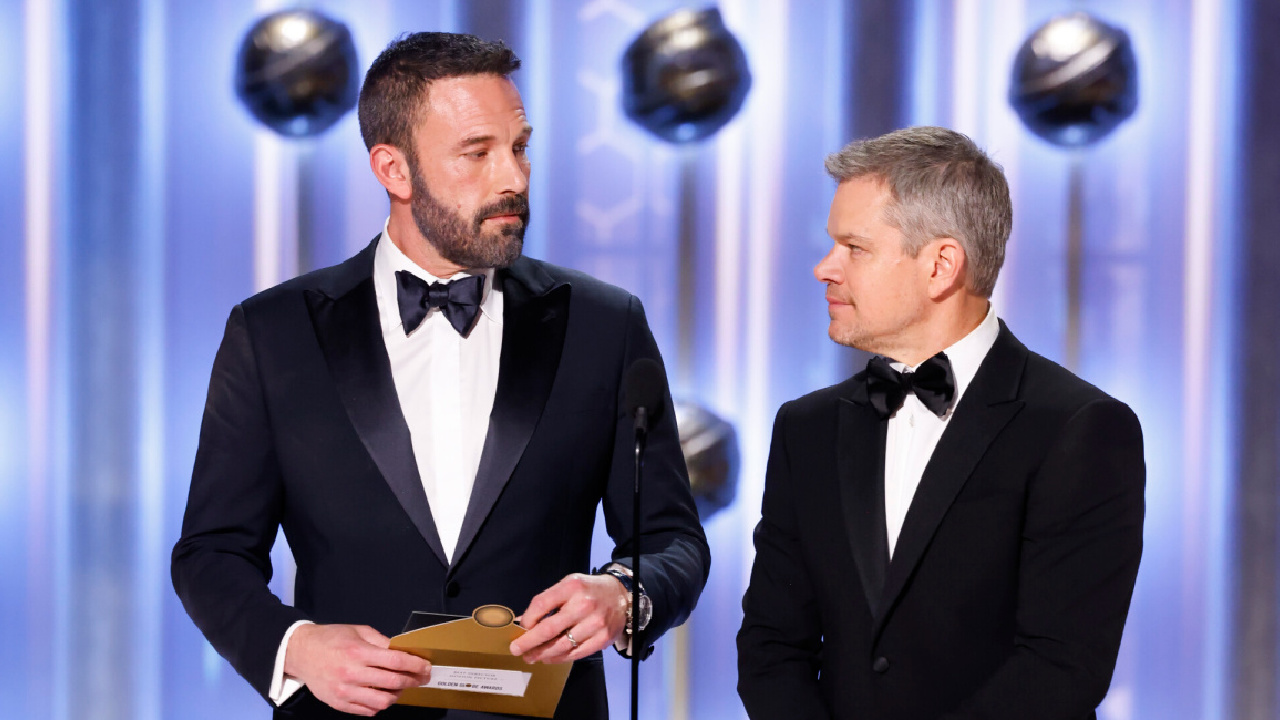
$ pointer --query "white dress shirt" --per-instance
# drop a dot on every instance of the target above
(914, 431)
(445, 384)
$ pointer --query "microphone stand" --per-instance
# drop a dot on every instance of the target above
(637, 643)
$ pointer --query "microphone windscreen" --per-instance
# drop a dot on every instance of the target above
(643, 388)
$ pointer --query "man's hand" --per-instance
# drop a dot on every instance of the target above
(351, 668)
(572, 619)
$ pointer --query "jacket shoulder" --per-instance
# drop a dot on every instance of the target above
(819, 402)
(585, 287)
(333, 281)
(1048, 383)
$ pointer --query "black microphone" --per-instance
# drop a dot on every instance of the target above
(643, 390)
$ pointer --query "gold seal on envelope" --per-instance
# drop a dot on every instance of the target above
(472, 667)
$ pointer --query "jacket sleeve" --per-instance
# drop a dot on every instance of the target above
(1081, 545)
(780, 642)
(221, 564)
(674, 557)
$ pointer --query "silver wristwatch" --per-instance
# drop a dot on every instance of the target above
(627, 578)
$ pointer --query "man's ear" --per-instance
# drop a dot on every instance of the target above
(391, 168)
(950, 266)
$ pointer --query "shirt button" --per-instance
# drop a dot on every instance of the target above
(881, 665)
(452, 589)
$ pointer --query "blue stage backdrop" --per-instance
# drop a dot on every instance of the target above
(142, 203)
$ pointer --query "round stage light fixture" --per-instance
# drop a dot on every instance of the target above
(685, 76)
(1075, 80)
(297, 73)
(710, 447)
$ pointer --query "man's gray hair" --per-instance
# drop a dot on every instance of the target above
(941, 184)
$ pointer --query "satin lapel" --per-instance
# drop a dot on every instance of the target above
(860, 460)
(988, 405)
(535, 315)
(350, 337)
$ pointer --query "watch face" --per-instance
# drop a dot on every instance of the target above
(646, 611)
(623, 574)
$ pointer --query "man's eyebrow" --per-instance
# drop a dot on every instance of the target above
(488, 139)
(476, 140)
(850, 236)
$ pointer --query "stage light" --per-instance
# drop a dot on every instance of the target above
(1075, 80)
(710, 447)
(296, 72)
(685, 76)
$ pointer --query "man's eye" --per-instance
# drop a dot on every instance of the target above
(521, 148)
(479, 154)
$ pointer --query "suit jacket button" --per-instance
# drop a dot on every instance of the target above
(881, 665)
(452, 589)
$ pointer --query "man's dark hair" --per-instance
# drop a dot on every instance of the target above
(394, 92)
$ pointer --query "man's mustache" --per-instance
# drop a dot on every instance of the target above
(509, 205)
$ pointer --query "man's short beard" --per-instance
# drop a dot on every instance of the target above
(463, 243)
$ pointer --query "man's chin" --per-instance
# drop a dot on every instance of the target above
(514, 247)
(844, 338)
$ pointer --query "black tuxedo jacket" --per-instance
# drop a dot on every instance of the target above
(303, 431)
(1011, 579)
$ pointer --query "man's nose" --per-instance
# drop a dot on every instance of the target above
(827, 270)
(513, 174)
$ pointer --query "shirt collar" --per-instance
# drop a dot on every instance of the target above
(388, 259)
(967, 353)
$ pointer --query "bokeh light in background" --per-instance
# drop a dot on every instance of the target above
(685, 76)
(1075, 80)
(297, 72)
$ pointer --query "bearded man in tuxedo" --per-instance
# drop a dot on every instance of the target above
(955, 531)
(433, 424)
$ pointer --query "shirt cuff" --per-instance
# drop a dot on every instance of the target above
(623, 645)
(282, 686)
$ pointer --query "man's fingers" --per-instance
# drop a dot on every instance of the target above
(351, 668)
(584, 638)
(544, 632)
(363, 700)
(397, 661)
(562, 649)
(379, 679)
(545, 602)
(547, 632)
(594, 642)
(352, 697)
(378, 654)
(554, 651)
(373, 637)
(540, 623)
(592, 608)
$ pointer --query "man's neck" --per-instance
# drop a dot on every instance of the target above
(406, 236)
(947, 327)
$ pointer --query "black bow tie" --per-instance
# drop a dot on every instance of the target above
(933, 382)
(458, 300)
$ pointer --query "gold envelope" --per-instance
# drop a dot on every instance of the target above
(472, 652)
